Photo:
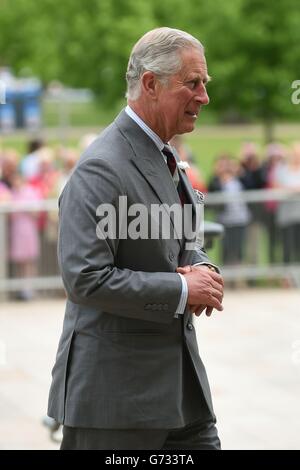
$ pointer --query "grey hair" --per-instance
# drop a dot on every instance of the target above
(158, 51)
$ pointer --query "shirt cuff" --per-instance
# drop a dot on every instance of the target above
(208, 264)
(183, 298)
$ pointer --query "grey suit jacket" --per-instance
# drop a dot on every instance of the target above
(120, 361)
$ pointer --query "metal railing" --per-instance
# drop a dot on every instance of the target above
(48, 278)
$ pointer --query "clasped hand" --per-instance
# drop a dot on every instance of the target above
(205, 289)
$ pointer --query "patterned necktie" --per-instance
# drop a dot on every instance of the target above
(172, 165)
(171, 160)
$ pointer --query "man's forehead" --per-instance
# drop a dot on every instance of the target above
(194, 63)
(192, 53)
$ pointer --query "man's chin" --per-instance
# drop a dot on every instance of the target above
(188, 128)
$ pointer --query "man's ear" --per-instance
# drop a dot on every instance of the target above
(149, 84)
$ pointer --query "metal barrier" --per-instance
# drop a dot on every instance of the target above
(48, 277)
(270, 211)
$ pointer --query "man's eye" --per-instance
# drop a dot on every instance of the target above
(193, 84)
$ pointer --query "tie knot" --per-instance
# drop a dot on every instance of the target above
(171, 160)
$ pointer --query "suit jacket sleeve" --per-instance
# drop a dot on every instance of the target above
(87, 265)
(200, 256)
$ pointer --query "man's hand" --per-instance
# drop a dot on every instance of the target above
(205, 288)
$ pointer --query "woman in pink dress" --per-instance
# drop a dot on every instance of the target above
(24, 236)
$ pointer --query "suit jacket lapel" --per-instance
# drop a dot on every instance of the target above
(150, 163)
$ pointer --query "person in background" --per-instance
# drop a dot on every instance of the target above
(8, 170)
(251, 179)
(270, 171)
(8, 166)
(67, 157)
(288, 215)
(221, 165)
(250, 167)
(44, 182)
(5, 193)
(235, 215)
(30, 164)
(45, 178)
(24, 242)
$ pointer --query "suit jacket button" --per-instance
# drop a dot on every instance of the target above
(171, 256)
(190, 326)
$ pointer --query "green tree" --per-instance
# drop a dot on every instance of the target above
(84, 44)
(252, 47)
(254, 55)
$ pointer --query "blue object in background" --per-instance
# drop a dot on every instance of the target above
(7, 114)
(32, 109)
(22, 108)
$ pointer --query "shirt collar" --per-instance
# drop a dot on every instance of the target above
(156, 139)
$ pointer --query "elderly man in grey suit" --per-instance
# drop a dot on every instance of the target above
(128, 373)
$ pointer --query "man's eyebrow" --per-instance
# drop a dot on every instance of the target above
(205, 79)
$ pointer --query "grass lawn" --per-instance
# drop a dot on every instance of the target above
(209, 141)
(206, 142)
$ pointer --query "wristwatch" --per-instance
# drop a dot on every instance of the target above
(212, 268)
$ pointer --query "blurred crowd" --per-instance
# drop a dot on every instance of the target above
(43, 172)
(252, 228)
(32, 236)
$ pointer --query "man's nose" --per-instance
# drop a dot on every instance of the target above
(202, 96)
(205, 98)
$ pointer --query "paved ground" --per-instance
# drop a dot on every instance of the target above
(251, 351)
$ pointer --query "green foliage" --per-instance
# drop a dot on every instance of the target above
(258, 58)
(252, 47)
